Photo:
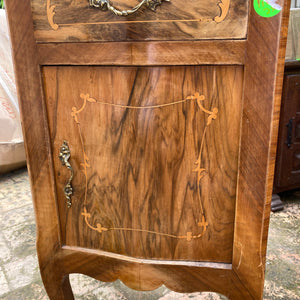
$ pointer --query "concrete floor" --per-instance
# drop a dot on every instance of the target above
(19, 272)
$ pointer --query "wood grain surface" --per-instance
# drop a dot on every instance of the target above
(75, 21)
(260, 81)
(221, 52)
(141, 154)
(38, 152)
(262, 96)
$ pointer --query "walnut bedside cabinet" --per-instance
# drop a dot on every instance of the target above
(150, 132)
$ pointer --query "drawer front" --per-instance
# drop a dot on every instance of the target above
(76, 20)
(154, 151)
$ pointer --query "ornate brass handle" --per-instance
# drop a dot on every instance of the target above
(64, 156)
(106, 5)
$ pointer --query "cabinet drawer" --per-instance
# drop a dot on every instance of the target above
(155, 163)
(76, 20)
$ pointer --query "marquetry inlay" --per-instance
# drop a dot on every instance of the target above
(222, 4)
(199, 170)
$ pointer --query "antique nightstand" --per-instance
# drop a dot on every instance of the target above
(150, 133)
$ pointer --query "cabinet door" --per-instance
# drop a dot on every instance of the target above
(288, 157)
(154, 151)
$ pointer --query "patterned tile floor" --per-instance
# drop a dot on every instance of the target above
(19, 273)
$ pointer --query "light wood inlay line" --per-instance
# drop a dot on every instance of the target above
(144, 21)
(86, 98)
(224, 7)
(212, 115)
(50, 15)
(189, 236)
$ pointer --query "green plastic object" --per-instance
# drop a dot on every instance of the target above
(267, 8)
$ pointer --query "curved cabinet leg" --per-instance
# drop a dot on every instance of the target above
(57, 285)
(276, 204)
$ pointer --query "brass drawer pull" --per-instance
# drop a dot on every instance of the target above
(106, 5)
(64, 156)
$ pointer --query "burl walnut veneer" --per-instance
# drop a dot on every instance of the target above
(150, 134)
